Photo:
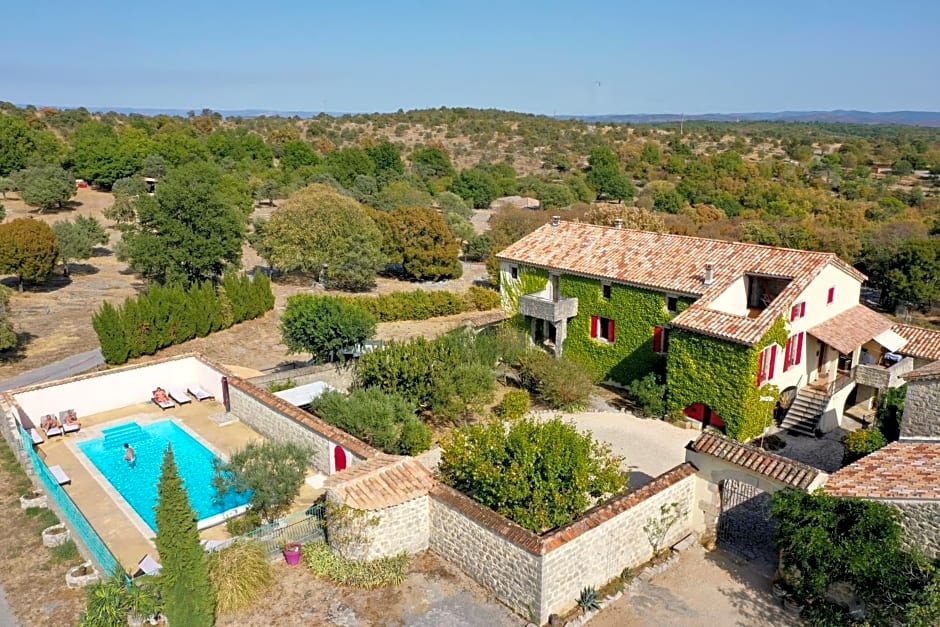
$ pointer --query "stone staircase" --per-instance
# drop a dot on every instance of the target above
(805, 411)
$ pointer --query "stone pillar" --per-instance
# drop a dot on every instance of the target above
(561, 332)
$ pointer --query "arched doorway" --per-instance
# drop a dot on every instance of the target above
(339, 459)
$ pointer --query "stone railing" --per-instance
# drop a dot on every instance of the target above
(882, 378)
(547, 309)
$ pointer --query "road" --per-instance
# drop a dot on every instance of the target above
(70, 366)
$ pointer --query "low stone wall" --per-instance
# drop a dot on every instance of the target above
(494, 551)
(921, 529)
(340, 377)
(404, 527)
(280, 421)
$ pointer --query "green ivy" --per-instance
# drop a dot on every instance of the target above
(635, 312)
(722, 375)
(530, 280)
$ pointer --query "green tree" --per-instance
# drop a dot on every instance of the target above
(317, 227)
(20, 145)
(387, 159)
(8, 338)
(46, 187)
(324, 325)
(102, 155)
(184, 579)
(238, 144)
(427, 248)
(268, 191)
(346, 164)
(476, 186)
(605, 175)
(109, 327)
(272, 471)
(401, 194)
(297, 154)
(539, 474)
(902, 167)
(450, 202)
(189, 231)
(77, 240)
(154, 166)
(907, 272)
(28, 249)
(431, 162)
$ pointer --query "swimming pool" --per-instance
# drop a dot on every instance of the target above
(138, 484)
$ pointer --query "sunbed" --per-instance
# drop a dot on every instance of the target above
(147, 566)
(67, 426)
(36, 436)
(200, 394)
(162, 400)
(59, 473)
(56, 429)
(179, 395)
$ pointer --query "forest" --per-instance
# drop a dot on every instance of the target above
(868, 193)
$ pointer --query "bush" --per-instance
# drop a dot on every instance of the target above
(890, 412)
(240, 573)
(272, 472)
(324, 325)
(378, 573)
(422, 304)
(280, 386)
(240, 525)
(649, 395)
(561, 383)
(385, 421)
(110, 600)
(483, 299)
(860, 443)
(515, 405)
(168, 315)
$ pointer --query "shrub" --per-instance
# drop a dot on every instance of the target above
(273, 472)
(368, 575)
(860, 443)
(483, 299)
(539, 474)
(324, 325)
(280, 386)
(515, 405)
(890, 412)
(561, 383)
(588, 600)
(240, 573)
(385, 421)
(110, 600)
(240, 525)
(423, 304)
(649, 395)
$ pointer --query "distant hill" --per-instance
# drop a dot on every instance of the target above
(910, 118)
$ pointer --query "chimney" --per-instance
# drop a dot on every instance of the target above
(709, 274)
(556, 220)
(618, 223)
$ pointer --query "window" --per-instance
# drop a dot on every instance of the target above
(765, 368)
(831, 296)
(605, 291)
(602, 329)
(797, 311)
(793, 353)
(660, 340)
(514, 272)
(672, 304)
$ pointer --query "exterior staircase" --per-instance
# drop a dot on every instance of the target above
(805, 411)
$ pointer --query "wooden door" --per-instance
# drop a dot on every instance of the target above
(339, 459)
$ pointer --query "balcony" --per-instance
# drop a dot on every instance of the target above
(542, 308)
(883, 377)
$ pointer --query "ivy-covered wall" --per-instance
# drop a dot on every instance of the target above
(530, 280)
(722, 375)
(635, 312)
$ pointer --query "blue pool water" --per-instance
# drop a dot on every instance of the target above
(138, 484)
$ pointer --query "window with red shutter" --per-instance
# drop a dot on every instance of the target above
(788, 354)
(831, 296)
(797, 311)
(773, 359)
(765, 367)
(594, 326)
(799, 348)
(802, 309)
(657, 339)
(760, 369)
(610, 330)
(602, 329)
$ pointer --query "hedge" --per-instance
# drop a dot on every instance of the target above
(421, 304)
(167, 315)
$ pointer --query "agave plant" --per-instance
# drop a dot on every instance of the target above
(587, 600)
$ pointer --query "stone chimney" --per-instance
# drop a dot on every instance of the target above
(709, 274)
(556, 220)
(618, 223)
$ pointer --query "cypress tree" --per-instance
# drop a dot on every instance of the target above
(109, 327)
(184, 580)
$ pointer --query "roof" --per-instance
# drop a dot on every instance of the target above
(899, 471)
(850, 329)
(930, 371)
(380, 482)
(921, 343)
(786, 471)
(676, 263)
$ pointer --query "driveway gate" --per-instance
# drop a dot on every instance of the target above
(744, 524)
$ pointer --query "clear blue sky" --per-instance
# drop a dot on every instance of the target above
(587, 57)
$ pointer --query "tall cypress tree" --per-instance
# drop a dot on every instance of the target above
(184, 580)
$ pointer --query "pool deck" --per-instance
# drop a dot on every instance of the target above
(125, 533)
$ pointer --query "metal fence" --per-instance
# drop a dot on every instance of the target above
(101, 555)
(306, 526)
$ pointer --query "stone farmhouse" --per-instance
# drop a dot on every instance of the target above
(740, 333)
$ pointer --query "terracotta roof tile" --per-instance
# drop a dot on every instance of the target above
(380, 482)
(771, 465)
(901, 470)
(676, 263)
(851, 328)
(921, 343)
(930, 371)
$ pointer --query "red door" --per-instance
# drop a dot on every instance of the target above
(339, 459)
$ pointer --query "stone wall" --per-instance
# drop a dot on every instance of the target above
(280, 421)
(921, 409)
(487, 547)
(921, 522)
(338, 376)
(602, 551)
(404, 527)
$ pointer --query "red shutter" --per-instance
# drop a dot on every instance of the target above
(760, 369)
(831, 296)
(610, 331)
(802, 309)
(787, 355)
(657, 339)
(799, 348)
(773, 359)
(793, 311)
(593, 326)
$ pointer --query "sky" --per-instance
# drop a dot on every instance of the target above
(587, 57)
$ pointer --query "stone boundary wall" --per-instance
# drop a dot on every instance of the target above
(542, 575)
(404, 527)
(919, 520)
(920, 409)
(339, 377)
(278, 420)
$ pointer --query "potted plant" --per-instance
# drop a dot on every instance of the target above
(292, 553)
(34, 498)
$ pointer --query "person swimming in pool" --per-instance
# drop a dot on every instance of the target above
(129, 456)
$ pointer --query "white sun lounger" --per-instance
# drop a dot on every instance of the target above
(56, 430)
(60, 475)
(200, 394)
(167, 404)
(36, 436)
(147, 566)
(179, 395)
(68, 428)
